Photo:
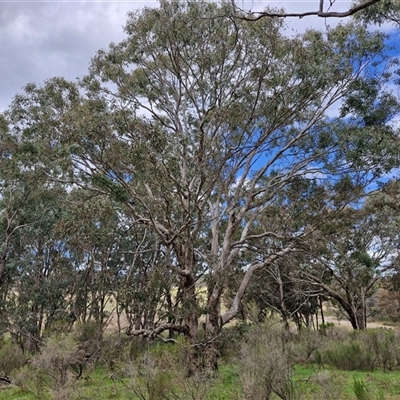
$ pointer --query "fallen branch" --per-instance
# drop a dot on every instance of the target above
(155, 332)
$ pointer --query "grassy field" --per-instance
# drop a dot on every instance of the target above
(262, 362)
(310, 383)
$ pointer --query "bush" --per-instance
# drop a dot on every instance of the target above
(385, 347)
(59, 353)
(48, 375)
(266, 364)
(325, 328)
(231, 339)
(161, 373)
(114, 349)
(329, 385)
(89, 336)
(368, 350)
(350, 356)
(148, 380)
(32, 381)
(306, 346)
(11, 358)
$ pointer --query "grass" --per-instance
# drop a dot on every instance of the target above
(257, 360)
(380, 385)
(311, 382)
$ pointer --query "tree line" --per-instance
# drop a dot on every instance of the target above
(205, 165)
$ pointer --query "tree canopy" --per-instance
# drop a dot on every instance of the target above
(198, 152)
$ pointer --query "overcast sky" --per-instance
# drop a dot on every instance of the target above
(43, 39)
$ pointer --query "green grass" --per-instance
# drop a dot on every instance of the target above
(380, 385)
(15, 394)
(311, 382)
(226, 387)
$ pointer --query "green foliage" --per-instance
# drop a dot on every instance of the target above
(32, 383)
(148, 380)
(381, 12)
(107, 183)
(59, 353)
(324, 327)
(369, 350)
(89, 337)
(231, 339)
(49, 374)
(11, 357)
(351, 356)
(197, 152)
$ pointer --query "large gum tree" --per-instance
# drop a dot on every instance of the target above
(198, 125)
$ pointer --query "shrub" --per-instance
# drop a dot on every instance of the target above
(231, 339)
(114, 349)
(384, 345)
(32, 381)
(266, 364)
(48, 374)
(147, 379)
(328, 385)
(89, 336)
(306, 346)
(324, 328)
(59, 353)
(367, 350)
(11, 358)
(350, 355)
(161, 372)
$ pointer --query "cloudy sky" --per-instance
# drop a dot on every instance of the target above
(43, 39)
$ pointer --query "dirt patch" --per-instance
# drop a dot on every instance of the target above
(343, 323)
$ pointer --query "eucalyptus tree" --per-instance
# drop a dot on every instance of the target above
(280, 289)
(198, 124)
(12, 198)
(354, 260)
(91, 231)
(43, 268)
(34, 269)
(386, 208)
(24, 203)
(380, 12)
(117, 263)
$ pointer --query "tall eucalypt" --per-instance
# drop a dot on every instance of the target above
(213, 132)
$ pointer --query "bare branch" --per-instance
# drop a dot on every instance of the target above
(254, 16)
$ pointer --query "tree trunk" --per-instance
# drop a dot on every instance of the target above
(189, 304)
(357, 319)
(321, 306)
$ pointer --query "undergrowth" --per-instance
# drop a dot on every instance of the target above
(264, 362)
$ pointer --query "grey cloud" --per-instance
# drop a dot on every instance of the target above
(39, 40)
(42, 40)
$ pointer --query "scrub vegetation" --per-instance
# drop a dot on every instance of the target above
(261, 361)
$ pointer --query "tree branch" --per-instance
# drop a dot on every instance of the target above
(320, 13)
(152, 333)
